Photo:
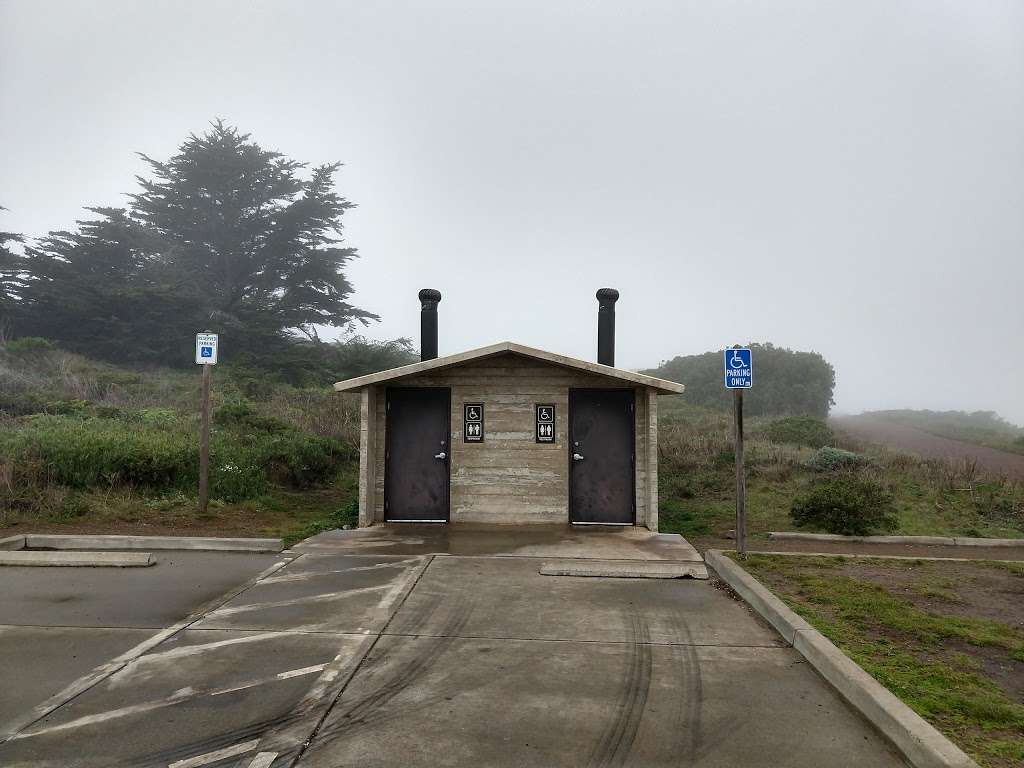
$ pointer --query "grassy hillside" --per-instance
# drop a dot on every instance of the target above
(979, 427)
(784, 460)
(93, 447)
(89, 446)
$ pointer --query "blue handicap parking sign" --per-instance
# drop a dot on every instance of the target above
(739, 370)
(206, 352)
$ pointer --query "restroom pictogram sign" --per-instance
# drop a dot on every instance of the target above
(545, 432)
(473, 423)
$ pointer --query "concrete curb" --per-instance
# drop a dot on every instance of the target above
(946, 541)
(13, 542)
(919, 742)
(968, 541)
(195, 543)
(78, 559)
(625, 570)
(773, 610)
(857, 556)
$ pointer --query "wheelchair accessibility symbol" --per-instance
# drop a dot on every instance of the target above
(739, 373)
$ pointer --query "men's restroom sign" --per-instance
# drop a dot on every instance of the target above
(473, 423)
(545, 424)
(739, 369)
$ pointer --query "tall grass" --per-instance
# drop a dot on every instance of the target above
(69, 425)
(697, 485)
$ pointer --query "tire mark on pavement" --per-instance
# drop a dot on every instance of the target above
(692, 699)
(614, 747)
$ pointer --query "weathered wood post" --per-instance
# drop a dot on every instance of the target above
(741, 484)
(204, 441)
(206, 356)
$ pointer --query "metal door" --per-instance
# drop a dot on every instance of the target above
(602, 489)
(416, 454)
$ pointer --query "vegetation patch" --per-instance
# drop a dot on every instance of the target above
(799, 430)
(947, 638)
(697, 485)
(92, 447)
(849, 506)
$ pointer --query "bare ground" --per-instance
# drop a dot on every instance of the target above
(910, 440)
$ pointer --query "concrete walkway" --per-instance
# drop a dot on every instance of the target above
(449, 648)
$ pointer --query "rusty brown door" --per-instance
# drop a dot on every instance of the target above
(416, 454)
(601, 458)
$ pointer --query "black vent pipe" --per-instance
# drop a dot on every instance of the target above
(429, 299)
(606, 298)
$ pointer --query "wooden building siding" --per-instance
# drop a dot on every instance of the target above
(508, 478)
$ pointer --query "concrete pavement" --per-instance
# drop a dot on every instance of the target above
(373, 650)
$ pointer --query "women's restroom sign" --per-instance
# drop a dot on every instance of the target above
(545, 423)
(473, 423)
(739, 369)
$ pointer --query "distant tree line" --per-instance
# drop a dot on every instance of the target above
(786, 382)
(223, 236)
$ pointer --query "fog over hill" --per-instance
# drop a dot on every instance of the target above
(839, 178)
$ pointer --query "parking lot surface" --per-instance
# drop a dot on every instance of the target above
(390, 650)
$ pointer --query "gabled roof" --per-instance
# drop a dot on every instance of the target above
(507, 347)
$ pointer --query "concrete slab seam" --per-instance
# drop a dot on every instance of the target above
(329, 687)
(915, 738)
(102, 672)
(13, 542)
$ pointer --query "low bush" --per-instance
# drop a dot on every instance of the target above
(241, 414)
(829, 459)
(799, 430)
(160, 451)
(849, 506)
(28, 345)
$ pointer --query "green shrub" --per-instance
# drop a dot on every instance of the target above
(849, 506)
(237, 480)
(296, 459)
(84, 452)
(66, 407)
(799, 430)
(28, 345)
(158, 417)
(829, 459)
(21, 403)
(240, 414)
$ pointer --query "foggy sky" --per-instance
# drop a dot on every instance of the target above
(841, 177)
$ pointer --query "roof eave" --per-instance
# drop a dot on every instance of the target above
(662, 386)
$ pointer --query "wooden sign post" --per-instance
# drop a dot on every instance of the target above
(206, 356)
(741, 482)
(739, 375)
(204, 441)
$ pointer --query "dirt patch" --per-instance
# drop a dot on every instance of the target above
(947, 637)
(967, 590)
(910, 440)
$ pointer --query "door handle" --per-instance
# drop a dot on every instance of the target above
(441, 455)
(577, 457)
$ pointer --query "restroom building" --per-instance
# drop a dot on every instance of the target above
(509, 434)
